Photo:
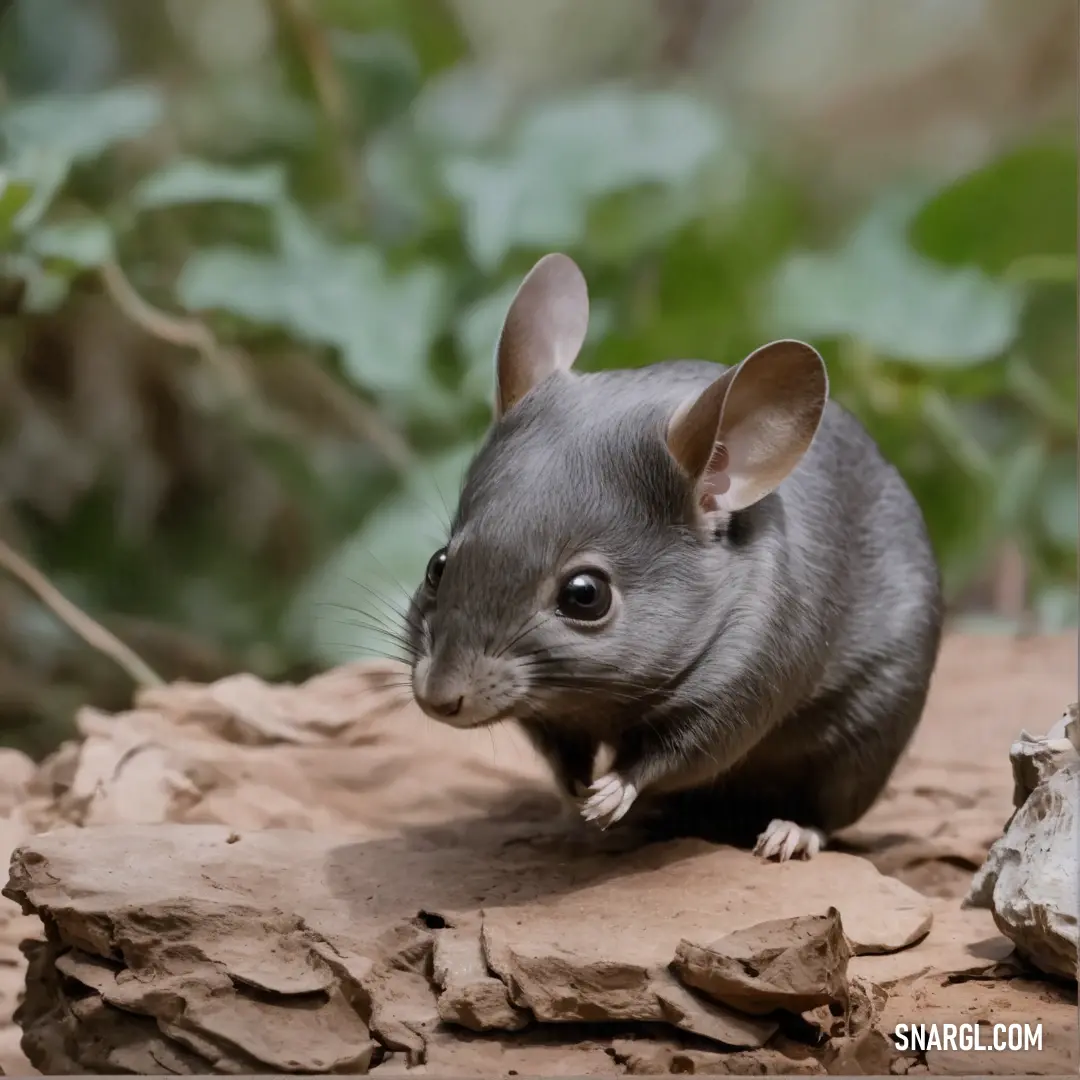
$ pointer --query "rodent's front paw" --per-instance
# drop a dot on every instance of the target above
(784, 840)
(609, 799)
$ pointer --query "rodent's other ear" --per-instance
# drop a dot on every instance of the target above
(543, 331)
(748, 430)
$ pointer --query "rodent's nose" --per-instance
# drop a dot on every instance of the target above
(446, 708)
(442, 696)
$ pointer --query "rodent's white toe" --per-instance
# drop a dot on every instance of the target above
(611, 798)
(784, 840)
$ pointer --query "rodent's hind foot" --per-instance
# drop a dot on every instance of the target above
(784, 840)
(610, 798)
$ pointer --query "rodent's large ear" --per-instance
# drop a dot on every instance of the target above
(764, 415)
(543, 331)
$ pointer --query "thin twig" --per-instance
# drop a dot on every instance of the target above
(329, 87)
(319, 57)
(361, 417)
(184, 332)
(193, 334)
(93, 633)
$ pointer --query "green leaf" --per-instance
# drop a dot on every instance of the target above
(399, 174)
(45, 290)
(458, 111)
(568, 153)
(381, 69)
(80, 127)
(942, 416)
(1043, 269)
(82, 244)
(44, 172)
(190, 181)
(15, 195)
(1016, 484)
(878, 291)
(355, 593)
(624, 226)
(300, 241)
(382, 323)
(1021, 205)
(1047, 402)
(462, 109)
(1058, 503)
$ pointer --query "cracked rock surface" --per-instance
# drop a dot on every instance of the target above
(303, 952)
(241, 878)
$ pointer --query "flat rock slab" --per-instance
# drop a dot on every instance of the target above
(297, 951)
(602, 951)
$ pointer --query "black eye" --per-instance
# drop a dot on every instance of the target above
(436, 565)
(585, 597)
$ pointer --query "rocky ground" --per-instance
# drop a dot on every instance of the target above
(243, 878)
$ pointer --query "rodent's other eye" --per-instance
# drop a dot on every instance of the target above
(436, 565)
(584, 597)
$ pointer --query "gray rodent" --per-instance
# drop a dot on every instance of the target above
(711, 572)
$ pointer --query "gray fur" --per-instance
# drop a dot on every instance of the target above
(775, 669)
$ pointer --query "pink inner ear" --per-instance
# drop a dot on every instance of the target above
(715, 480)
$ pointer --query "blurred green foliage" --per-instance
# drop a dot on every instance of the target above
(383, 239)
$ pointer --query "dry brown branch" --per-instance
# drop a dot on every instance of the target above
(177, 330)
(358, 415)
(296, 17)
(93, 633)
(235, 380)
(313, 44)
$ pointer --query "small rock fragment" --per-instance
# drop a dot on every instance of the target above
(560, 985)
(812, 1028)
(1029, 878)
(395, 994)
(1072, 724)
(1034, 759)
(682, 1008)
(471, 996)
(563, 1050)
(869, 1054)
(866, 1002)
(403, 1010)
(795, 964)
(663, 1057)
